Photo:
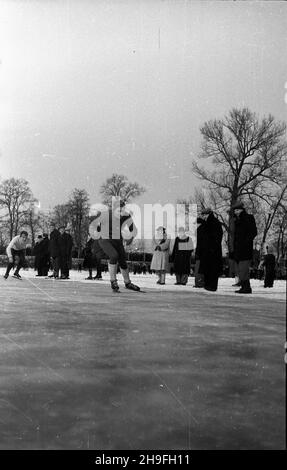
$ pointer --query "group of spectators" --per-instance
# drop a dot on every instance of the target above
(54, 252)
(208, 251)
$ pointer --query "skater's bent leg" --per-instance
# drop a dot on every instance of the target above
(8, 269)
(19, 262)
(113, 271)
(125, 274)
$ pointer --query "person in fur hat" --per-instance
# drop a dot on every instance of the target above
(211, 251)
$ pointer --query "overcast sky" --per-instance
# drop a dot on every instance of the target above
(91, 88)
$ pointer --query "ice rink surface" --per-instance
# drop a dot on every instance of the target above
(173, 368)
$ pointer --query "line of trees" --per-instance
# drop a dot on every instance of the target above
(242, 157)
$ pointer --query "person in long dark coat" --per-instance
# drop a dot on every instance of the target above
(54, 251)
(98, 255)
(211, 256)
(181, 256)
(37, 254)
(65, 250)
(269, 263)
(70, 243)
(244, 234)
(233, 268)
(199, 277)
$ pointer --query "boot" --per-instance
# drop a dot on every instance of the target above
(245, 288)
(115, 286)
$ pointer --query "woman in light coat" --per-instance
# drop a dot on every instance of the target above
(160, 259)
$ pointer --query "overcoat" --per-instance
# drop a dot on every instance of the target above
(210, 250)
(181, 257)
(54, 248)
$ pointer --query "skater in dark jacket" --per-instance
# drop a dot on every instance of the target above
(181, 256)
(211, 251)
(244, 234)
(108, 228)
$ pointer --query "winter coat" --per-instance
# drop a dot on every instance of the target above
(160, 259)
(210, 246)
(244, 234)
(65, 245)
(181, 257)
(54, 249)
(88, 255)
(269, 262)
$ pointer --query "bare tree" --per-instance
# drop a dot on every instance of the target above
(31, 219)
(60, 215)
(248, 154)
(15, 198)
(280, 231)
(79, 217)
(119, 186)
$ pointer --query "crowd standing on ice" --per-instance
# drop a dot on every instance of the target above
(55, 251)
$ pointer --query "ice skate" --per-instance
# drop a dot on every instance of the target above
(115, 286)
(131, 286)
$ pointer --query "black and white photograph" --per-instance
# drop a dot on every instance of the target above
(143, 227)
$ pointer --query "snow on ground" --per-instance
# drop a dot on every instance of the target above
(148, 281)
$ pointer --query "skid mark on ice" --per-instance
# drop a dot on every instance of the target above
(32, 358)
(41, 290)
(10, 405)
(183, 407)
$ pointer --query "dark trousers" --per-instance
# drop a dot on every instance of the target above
(98, 263)
(115, 251)
(18, 261)
(64, 261)
(243, 270)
